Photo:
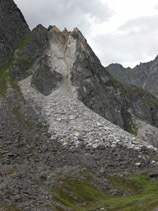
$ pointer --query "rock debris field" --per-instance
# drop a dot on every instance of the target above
(70, 122)
(73, 124)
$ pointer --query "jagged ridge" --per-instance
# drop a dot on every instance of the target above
(143, 75)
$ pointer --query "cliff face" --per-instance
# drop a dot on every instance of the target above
(105, 95)
(143, 75)
(69, 58)
(13, 27)
(56, 100)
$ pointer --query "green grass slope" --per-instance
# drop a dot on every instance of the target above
(137, 193)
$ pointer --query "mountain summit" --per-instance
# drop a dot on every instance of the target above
(63, 119)
(12, 28)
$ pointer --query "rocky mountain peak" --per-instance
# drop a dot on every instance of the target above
(156, 58)
(10, 14)
(56, 29)
(39, 27)
(75, 33)
(13, 27)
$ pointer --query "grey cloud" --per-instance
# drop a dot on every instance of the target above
(135, 41)
(64, 13)
(141, 24)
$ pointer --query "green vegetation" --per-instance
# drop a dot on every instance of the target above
(137, 193)
(75, 191)
(133, 90)
(23, 42)
(152, 102)
(117, 84)
(12, 170)
(8, 208)
(6, 78)
(131, 128)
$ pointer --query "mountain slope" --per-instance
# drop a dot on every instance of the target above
(49, 138)
(143, 75)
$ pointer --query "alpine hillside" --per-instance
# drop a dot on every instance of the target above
(71, 136)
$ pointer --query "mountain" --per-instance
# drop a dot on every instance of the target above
(143, 75)
(62, 118)
(12, 28)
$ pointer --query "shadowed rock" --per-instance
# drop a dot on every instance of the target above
(13, 27)
(45, 80)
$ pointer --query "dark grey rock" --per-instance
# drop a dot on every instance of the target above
(144, 75)
(106, 96)
(44, 79)
(31, 49)
(13, 27)
(153, 175)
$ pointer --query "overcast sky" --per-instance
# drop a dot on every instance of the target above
(119, 31)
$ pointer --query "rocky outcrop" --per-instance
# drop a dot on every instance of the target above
(143, 75)
(108, 97)
(44, 80)
(13, 27)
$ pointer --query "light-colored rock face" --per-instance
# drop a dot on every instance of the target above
(63, 49)
(69, 120)
(62, 52)
(62, 55)
(149, 134)
(146, 132)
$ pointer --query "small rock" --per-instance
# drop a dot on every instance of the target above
(71, 117)
(111, 137)
(95, 146)
(113, 145)
(99, 124)
(153, 162)
(76, 133)
(137, 164)
(152, 175)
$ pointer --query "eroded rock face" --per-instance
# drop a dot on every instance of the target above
(144, 75)
(13, 27)
(106, 96)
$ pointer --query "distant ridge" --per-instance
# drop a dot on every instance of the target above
(144, 75)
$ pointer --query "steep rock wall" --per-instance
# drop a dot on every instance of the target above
(13, 27)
